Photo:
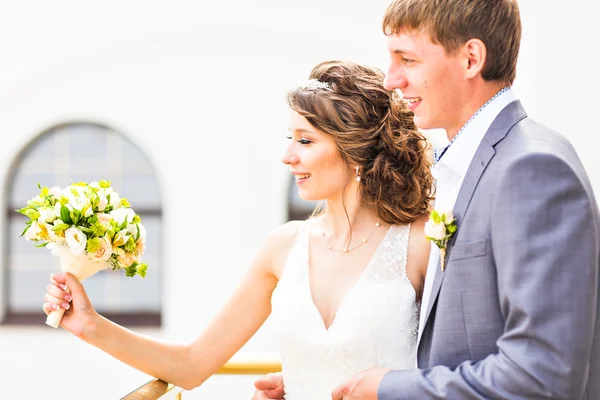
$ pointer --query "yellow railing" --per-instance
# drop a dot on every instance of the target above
(241, 364)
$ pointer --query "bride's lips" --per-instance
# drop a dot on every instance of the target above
(413, 102)
(301, 177)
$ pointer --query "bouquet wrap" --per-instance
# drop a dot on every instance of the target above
(81, 267)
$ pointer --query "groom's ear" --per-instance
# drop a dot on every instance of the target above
(475, 54)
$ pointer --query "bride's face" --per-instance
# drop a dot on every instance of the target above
(315, 161)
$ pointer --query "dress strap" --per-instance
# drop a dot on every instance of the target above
(298, 255)
(393, 257)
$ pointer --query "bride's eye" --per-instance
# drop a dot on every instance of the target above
(303, 141)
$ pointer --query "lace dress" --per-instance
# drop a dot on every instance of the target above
(376, 325)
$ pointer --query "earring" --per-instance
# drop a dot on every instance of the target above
(357, 177)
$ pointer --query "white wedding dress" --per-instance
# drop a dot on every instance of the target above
(376, 325)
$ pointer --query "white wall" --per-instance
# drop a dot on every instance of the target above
(218, 73)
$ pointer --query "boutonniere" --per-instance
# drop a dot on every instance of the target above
(439, 229)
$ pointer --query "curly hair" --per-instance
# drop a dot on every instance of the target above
(373, 129)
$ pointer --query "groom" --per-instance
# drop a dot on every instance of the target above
(514, 313)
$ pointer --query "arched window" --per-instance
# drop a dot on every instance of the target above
(58, 157)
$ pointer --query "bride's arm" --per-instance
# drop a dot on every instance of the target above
(188, 366)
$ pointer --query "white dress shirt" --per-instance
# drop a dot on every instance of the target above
(450, 172)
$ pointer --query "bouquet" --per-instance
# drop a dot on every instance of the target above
(89, 227)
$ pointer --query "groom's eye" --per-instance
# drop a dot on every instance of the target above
(408, 60)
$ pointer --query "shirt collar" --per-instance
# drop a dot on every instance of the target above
(458, 157)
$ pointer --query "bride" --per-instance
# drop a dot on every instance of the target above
(343, 285)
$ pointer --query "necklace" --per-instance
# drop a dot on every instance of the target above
(347, 249)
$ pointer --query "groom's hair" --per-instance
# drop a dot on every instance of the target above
(451, 23)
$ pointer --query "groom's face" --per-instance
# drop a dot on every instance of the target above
(430, 79)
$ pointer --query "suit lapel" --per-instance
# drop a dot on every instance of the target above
(507, 118)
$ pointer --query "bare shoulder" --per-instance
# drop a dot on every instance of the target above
(278, 245)
(418, 254)
(287, 232)
(417, 229)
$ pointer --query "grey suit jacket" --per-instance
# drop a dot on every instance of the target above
(515, 313)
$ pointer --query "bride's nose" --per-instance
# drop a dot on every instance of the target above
(289, 156)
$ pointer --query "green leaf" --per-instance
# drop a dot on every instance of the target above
(23, 210)
(436, 217)
(142, 269)
(32, 214)
(129, 245)
(40, 245)
(61, 227)
(26, 228)
(93, 245)
(131, 270)
(97, 228)
(65, 215)
(76, 215)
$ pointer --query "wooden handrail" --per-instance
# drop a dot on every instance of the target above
(240, 364)
(149, 391)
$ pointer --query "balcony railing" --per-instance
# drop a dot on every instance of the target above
(241, 364)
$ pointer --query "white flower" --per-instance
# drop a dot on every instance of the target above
(52, 236)
(47, 214)
(56, 192)
(76, 196)
(37, 200)
(88, 211)
(132, 228)
(104, 219)
(435, 231)
(120, 214)
(103, 252)
(103, 202)
(121, 238)
(448, 217)
(33, 232)
(115, 200)
(57, 208)
(76, 240)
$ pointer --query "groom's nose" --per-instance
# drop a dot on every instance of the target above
(394, 80)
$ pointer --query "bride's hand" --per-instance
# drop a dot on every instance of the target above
(64, 291)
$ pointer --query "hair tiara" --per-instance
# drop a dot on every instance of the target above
(313, 84)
